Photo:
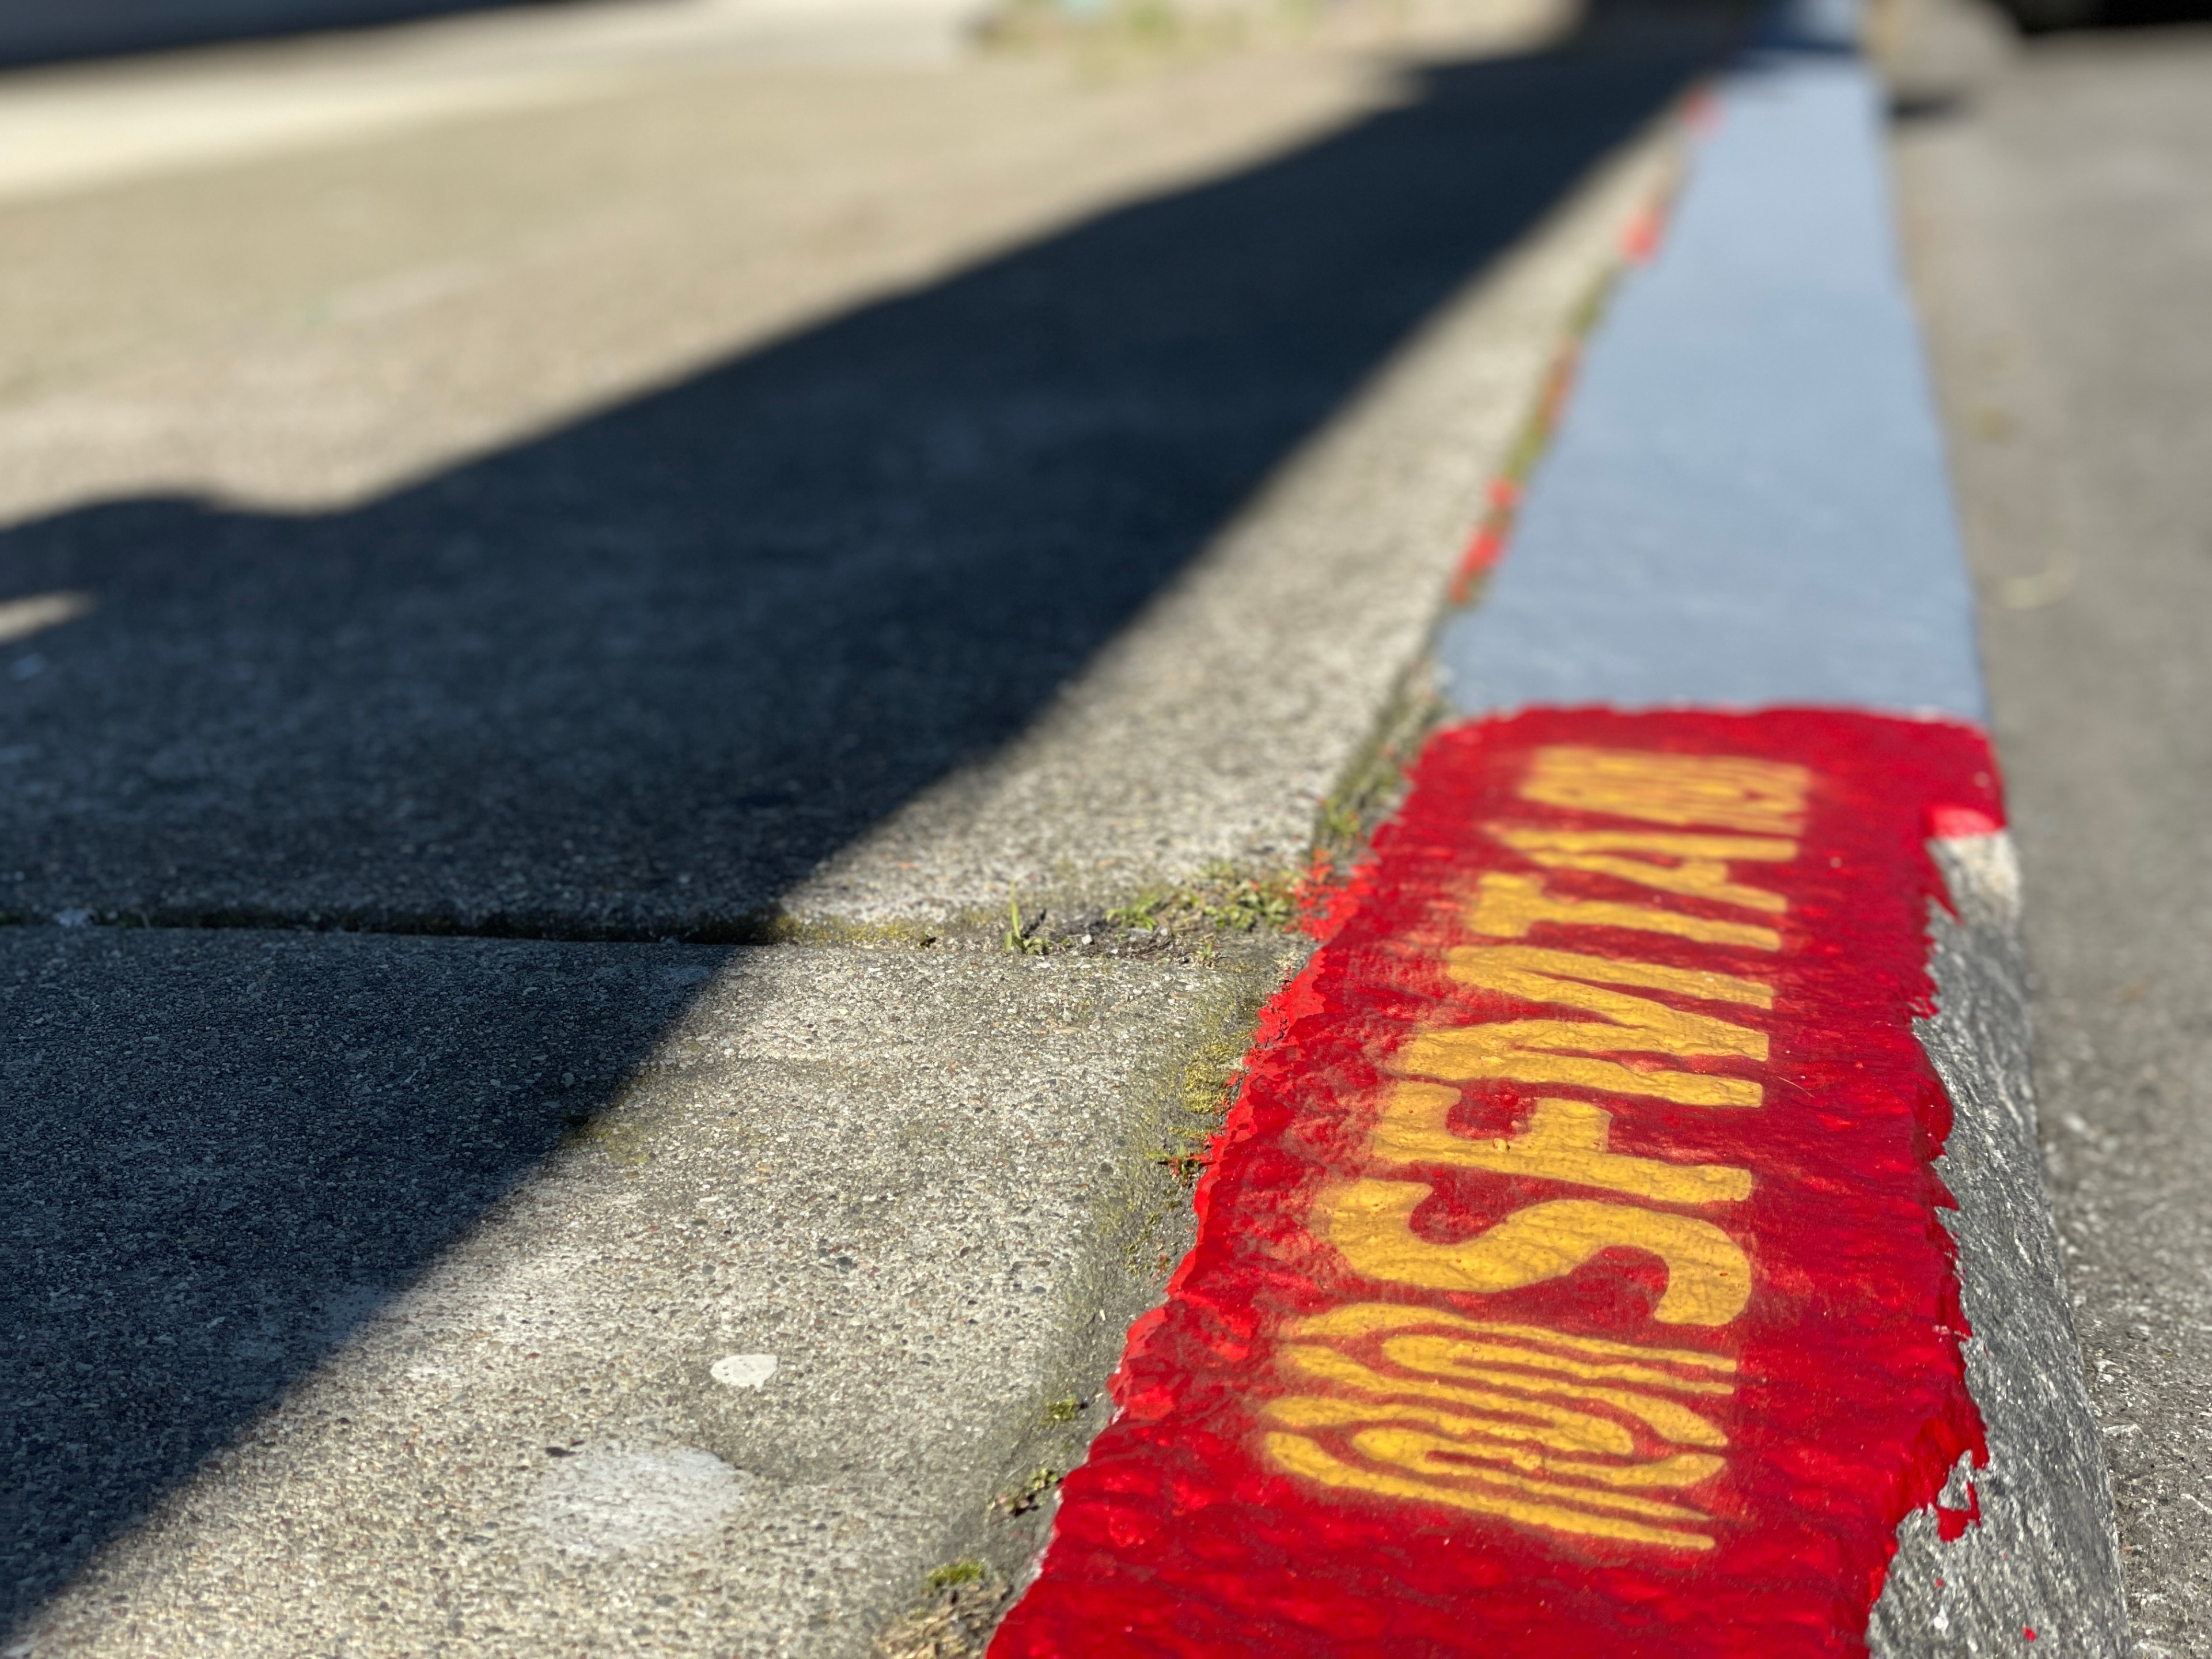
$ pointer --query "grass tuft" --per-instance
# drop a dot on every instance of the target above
(1031, 1493)
(1019, 939)
(954, 1572)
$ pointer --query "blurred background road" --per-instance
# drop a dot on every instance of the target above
(2058, 211)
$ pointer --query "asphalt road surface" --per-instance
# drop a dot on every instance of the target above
(2059, 213)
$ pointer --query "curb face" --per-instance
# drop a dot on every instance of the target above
(2043, 1553)
(1630, 1239)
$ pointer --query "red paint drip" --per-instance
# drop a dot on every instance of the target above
(1641, 239)
(1487, 546)
(1482, 555)
(1186, 1533)
(1319, 894)
(2027, 1632)
(1950, 1524)
(1561, 386)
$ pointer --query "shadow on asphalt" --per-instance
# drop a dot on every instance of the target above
(627, 682)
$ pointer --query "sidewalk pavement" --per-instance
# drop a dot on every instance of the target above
(423, 1289)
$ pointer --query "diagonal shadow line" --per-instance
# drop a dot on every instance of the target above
(627, 681)
(636, 678)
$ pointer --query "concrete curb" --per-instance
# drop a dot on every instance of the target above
(1748, 506)
(1747, 511)
(1682, 551)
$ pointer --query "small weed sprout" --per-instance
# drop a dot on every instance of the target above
(955, 1621)
(1243, 903)
(1223, 900)
(953, 1573)
(1140, 913)
(1027, 1496)
(1017, 941)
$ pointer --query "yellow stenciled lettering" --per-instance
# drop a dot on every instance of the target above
(1513, 1353)
(1366, 1318)
(1508, 906)
(1475, 1362)
(1430, 1454)
(1700, 870)
(1732, 792)
(1565, 1141)
(1299, 1456)
(1314, 1411)
(1502, 1412)
(1468, 1406)
(1370, 1223)
(1466, 1054)
(1541, 975)
(1526, 1050)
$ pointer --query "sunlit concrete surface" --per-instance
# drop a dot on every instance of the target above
(303, 329)
(660, 489)
(920, 1185)
(62, 129)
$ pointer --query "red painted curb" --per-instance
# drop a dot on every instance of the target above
(1568, 1279)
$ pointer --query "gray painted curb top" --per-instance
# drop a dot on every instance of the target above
(1747, 504)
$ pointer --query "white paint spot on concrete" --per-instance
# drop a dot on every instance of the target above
(611, 1500)
(743, 1370)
